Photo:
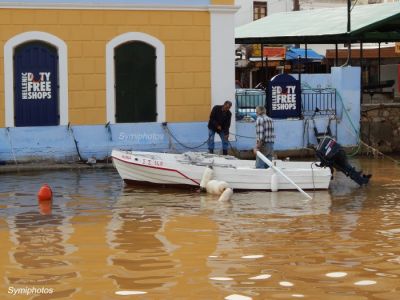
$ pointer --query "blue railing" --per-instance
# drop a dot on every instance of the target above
(247, 100)
(313, 101)
(320, 101)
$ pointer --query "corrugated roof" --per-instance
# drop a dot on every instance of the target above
(369, 23)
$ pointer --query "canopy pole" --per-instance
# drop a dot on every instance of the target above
(262, 64)
(361, 67)
(336, 55)
(348, 16)
(306, 59)
(348, 63)
(379, 66)
(298, 68)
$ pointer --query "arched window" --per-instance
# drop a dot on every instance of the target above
(135, 79)
(36, 92)
(135, 83)
(36, 80)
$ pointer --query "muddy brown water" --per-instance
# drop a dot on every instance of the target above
(101, 239)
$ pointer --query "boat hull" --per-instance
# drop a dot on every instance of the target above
(187, 169)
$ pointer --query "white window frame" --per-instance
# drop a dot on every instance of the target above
(110, 72)
(9, 47)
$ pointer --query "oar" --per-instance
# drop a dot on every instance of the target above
(269, 163)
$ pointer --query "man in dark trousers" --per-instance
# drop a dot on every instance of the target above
(220, 121)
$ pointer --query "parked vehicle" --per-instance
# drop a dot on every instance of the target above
(247, 100)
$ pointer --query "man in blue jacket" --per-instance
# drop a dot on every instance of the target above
(220, 121)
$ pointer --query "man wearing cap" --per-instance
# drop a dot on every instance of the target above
(220, 121)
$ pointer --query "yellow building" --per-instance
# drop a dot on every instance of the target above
(114, 61)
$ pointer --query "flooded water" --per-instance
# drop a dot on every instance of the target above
(103, 240)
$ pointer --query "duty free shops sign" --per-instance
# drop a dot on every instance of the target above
(35, 87)
(284, 97)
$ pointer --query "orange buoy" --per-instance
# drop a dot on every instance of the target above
(45, 193)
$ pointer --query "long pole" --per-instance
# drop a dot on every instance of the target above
(348, 32)
(269, 163)
(348, 16)
(379, 66)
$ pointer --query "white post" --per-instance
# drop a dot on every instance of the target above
(222, 33)
(269, 163)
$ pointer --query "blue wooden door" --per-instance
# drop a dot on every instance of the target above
(36, 101)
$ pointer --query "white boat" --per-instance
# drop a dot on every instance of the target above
(187, 170)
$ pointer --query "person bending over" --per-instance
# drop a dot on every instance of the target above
(220, 121)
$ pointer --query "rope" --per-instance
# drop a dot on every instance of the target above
(242, 136)
(11, 144)
(69, 128)
(171, 145)
(312, 174)
(179, 143)
(357, 133)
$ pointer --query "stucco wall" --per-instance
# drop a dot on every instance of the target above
(185, 35)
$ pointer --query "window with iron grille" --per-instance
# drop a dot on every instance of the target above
(259, 9)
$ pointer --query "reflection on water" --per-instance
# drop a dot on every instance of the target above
(39, 249)
(134, 234)
(101, 240)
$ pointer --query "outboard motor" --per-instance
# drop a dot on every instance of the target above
(332, 155)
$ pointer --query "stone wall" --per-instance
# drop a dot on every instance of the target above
(380, 126)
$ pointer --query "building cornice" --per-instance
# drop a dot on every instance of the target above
(231, 9)
(116, 6)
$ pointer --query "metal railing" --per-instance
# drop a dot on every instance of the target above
(247, 100)
(313, 101)
(321, 101)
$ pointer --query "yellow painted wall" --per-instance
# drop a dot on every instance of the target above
(185, 34)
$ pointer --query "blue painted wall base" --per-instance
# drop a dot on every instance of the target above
(69, 144)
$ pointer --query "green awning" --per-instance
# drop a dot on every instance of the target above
(369, 23)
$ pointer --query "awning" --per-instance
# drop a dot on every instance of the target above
(369, 23)
(294, 53)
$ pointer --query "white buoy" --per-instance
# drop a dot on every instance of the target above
(212, 186)
(222, 186)
(216, 187)
(226, 195)
(208, 174)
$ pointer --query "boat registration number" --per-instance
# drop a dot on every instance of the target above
(151, 162)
